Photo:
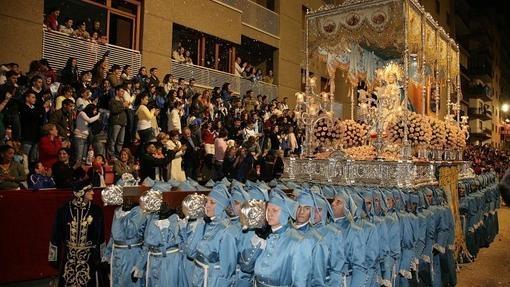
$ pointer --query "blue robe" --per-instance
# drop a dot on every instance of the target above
(316, 276)
(391, 261)
(425, 267)
(354, 270)
(243, 275)
(370, 239)
(285, 259)
(378, 219)
(124, 250)
(328, 256)
(407, 239)
(163, 262)
(188, 249)
(216, 256)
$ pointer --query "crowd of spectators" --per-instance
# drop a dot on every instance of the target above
(96, 34)
(241, 69)
(486, 158)
(58, 127)
(250, 72)
(74, 28)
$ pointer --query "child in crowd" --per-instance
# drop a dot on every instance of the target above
(40, 177)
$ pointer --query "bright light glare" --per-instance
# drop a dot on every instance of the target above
(505, 108)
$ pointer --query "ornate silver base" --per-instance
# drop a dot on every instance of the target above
(373, 172)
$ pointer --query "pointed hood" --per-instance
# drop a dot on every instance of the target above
(221, 195)
(288, 207)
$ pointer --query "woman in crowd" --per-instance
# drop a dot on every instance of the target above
(64, 173)
(208, 136)
(207, 106)
(145, 117)
(175, 171)
(220, 146)
(66, 92)
(174, 116)
(84, 99)
(127, 73)
(228, 162)
(168, 83)
(11, 172)
(152, 162)
(81, 132)
(70, 74)
(125, 164)
(49, 145)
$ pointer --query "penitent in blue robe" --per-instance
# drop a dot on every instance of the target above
(188, 249)
(285, 261)
(216, 256)
(124, 249)
(163, 261)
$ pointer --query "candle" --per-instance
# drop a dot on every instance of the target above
(313, 110)
(299, 97)
(312, 82)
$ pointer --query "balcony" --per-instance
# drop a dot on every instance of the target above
(256, 16)
(209, 78)
(483, 135)
(482, 114)
(480, 66)
(58, 47)
(483, 73)
(479, 92)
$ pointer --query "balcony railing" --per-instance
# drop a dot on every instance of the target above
(260, 17)
(479, 92)
(58, 47)
(482, 114)
(256, 16)
(209, 78)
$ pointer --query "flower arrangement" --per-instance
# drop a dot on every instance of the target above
(326, 133)
(438, 139)
(354, 134)
(452, 136)
(419, 131)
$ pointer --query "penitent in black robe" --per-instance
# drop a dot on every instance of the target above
(78, 233)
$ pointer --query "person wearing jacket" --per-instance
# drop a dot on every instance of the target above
(31, 118)
(63, 119)
(117, 123)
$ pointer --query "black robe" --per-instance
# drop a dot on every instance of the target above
(78, 233)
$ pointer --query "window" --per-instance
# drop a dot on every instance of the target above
(119, 20)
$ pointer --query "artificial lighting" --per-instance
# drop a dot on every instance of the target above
(507, 120)
(505, 108)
